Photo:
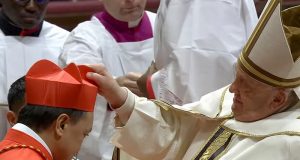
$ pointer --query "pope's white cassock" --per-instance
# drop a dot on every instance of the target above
(18, 53)
(206, 129)
(156, 130)
(196, 46)
(122, 47)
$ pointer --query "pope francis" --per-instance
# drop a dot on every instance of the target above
(255, 117)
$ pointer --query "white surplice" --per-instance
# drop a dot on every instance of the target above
(91, 43)
(197, 43)
(17, 54)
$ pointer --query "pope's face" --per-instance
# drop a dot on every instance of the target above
(25, 14)
(252, 100)
(73, 136)
(125, 10)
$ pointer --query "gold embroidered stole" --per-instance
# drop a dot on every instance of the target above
(19, 146)
(215, 146)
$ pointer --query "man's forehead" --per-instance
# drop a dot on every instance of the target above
(245, 75)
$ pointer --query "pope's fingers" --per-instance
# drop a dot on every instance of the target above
(98, 68)
(94, 77)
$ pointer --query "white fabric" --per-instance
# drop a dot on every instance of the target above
(197, 52)
(171, 133)
(23, 128)
(17, 54)
(4, 125)
(91, 43)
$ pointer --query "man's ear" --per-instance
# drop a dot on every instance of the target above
(279, 100)
(11, 118)
(61, 124)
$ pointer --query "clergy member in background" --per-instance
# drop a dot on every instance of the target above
(121, 38)
(24, 39)
(57, 117)
(197, 43)
(258, 120)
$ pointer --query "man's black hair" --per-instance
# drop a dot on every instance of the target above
(16, 95)
(40, 118)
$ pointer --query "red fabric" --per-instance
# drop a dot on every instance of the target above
(15, 137)
(28, 32)
(150, 91)
(49, 85)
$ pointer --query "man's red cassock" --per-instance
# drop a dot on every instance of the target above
(20, 146)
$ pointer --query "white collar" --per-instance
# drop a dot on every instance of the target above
(284, 123)
(26, 130)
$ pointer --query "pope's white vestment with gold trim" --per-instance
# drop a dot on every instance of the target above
(156, 130)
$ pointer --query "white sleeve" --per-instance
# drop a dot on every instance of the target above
(126, 109)
(83, 46)
(153, 132)
(4, 125)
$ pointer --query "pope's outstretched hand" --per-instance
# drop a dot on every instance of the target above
(107, 86)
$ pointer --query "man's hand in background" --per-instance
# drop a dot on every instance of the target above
(130, 81)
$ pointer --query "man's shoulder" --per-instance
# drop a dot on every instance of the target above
(20, 153)
(214, 105)
(90, 25)
(53, 30)
(268, 127)
(91, 29)
(152, 14)
(152, 17)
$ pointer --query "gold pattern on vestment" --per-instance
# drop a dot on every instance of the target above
(241, 133)
(162, 104)
(216, 144)
(221, 104)
(221, 101)
(166, 106)
(24, 146)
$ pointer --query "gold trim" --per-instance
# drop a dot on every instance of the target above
(166, 106)
(215, 144)
(260, 26)
(17, 146)
(264, 77)
(250, 66)
(289, 133)
(203, 145)
(222, 101)
(162, 104)
(227, 116)
(221, 105)
(226, 149)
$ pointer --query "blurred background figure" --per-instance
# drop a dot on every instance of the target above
(196, 52)
(121, 38)
(24, 39)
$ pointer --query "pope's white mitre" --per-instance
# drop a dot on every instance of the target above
(272, 53)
